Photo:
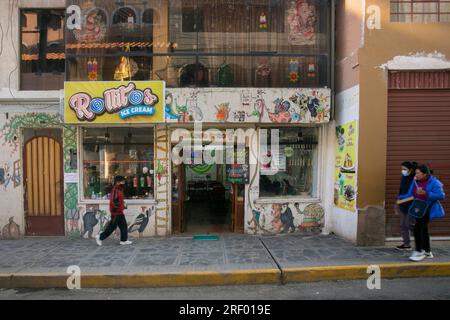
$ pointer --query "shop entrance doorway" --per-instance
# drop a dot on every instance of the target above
(203, 202)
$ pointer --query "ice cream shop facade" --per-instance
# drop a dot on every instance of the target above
(142, 77)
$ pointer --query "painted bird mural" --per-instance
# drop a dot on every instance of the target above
(140, 223)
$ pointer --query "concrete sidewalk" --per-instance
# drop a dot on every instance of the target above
(181, 261)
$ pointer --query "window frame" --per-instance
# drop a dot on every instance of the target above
(19, 68)
(394, 17)
(321, 169)
(81, 197)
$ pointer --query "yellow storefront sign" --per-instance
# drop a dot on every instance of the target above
(114, 102)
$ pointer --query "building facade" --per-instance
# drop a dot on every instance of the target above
(392, 77)
(252, 66)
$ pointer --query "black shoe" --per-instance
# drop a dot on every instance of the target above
(403, 247)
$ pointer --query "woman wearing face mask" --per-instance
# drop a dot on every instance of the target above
(427, 188)
(408, 173)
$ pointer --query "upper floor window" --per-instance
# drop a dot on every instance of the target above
(42, 52)
(420, 11)
(202, 43)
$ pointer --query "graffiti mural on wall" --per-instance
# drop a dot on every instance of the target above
(10, 177)
(286, 218)
(9, 135)
(249, 105)
(72, 211)
(11, 231)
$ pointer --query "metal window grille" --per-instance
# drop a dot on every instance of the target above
(420, 11)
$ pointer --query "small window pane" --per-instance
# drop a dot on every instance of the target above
(43, 50)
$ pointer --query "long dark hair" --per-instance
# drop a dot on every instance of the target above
(425, 169)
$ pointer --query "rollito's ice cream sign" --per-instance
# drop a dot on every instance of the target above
(113, 102)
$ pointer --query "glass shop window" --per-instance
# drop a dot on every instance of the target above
(42, 62)
(111, 152)
(292, 171)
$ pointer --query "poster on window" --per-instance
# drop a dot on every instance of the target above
(114, 102)
(345, 167)
(301, 21)
(273, 161)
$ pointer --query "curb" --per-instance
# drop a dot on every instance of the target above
(237, 277)
(141, 280)
(357, 272)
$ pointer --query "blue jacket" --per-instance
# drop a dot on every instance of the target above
(435, 192)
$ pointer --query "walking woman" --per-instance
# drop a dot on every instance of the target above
(426, 188)
(408, 173)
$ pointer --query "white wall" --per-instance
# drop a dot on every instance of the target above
(342, 222)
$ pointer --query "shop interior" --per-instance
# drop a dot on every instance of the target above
(207, 198)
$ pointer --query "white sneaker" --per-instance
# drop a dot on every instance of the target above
(126, 242)
(429, 255)
(97, 239)
(417, 256)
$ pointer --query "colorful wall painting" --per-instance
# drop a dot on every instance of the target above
(345, 166)
(249, 105)
(289, 217)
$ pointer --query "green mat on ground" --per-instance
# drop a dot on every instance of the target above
(205, 237)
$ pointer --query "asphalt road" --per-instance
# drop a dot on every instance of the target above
(416, 289)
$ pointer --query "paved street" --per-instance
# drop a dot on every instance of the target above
(415, 288)
(182, 254)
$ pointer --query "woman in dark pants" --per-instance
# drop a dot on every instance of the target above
(408, 173)
(426, 188)
(116, 206)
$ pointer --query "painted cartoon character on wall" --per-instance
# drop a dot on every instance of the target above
(239, 116)
(91, 218)
(195, 113)
(313, 105)
(301, 19)
(277, 224)
(169, 113)
(287, 219)
(313, 218)
(223, 112)
(281, 113)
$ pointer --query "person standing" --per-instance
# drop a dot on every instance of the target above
(116, 207)
(408, 173)
(426, 188)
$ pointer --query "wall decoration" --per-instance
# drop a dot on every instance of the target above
(10, 177)
(263, 72)
(345, 167)
(301, 20)
(11, 231)
(286, 218)
(293, 70)
(169, 112)
(141, 221)
(93, 217)
(93, 30)
(311, 70)
(92, 68)
(263, 22)
(289, 105)
(72, 212)
(223, 111)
